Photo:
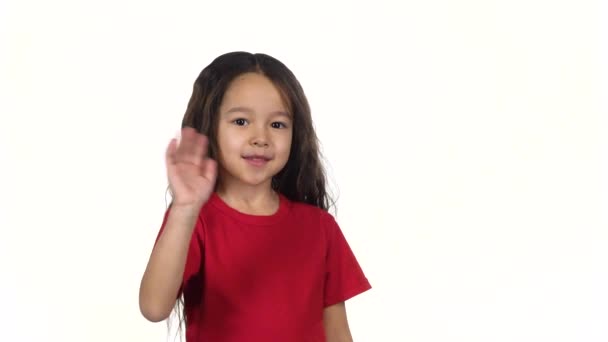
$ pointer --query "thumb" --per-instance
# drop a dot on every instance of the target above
(172, 147)
(170, 152)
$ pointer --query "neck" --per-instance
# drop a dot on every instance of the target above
(255, 200)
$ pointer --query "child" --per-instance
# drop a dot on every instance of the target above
(247, 239)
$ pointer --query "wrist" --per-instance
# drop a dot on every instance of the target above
(187, 211)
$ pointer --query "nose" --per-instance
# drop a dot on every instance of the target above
(260, 138)
(260, 143)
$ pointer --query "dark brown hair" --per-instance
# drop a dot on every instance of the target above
(303, 178)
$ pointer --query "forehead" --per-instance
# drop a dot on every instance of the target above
(255, 91)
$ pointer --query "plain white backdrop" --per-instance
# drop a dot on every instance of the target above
(465, 141)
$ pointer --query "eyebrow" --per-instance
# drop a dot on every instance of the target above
(248, 110)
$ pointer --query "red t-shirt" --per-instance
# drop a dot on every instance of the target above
(266, 278)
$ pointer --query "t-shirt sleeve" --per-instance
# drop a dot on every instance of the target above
(344, 277)
(194, 258)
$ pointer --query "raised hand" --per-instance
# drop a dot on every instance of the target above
(191, 173)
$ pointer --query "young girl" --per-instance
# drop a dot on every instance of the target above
(247, 240)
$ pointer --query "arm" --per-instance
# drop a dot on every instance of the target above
(336, 323)
(163, 276)
(344, 279)
(191, 177)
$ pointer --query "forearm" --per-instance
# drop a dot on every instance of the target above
(164, 273)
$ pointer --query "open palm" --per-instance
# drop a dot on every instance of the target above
(191, 173)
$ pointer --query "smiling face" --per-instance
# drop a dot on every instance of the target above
(254, 132)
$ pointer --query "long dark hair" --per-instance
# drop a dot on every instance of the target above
(303, 178)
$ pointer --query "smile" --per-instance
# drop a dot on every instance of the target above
(257, 161)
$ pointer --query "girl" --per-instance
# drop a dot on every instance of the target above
(247, 245)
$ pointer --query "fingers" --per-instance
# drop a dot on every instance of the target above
(192, 147)
(209, 170)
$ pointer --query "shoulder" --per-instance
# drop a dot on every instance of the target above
(313, 217)
(300, 210)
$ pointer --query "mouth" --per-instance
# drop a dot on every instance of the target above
(257, 160)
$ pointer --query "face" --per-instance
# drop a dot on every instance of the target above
(254, 132)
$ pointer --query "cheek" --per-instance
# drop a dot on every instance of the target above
(286, 146)
(227, 142)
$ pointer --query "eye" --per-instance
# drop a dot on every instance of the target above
(278, 124)
(240, 122)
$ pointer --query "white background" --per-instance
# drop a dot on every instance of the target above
(465, 140)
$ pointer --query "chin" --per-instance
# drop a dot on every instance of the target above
(248, 179)
(255, 181)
